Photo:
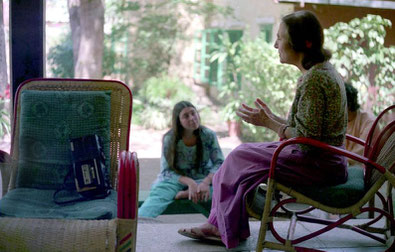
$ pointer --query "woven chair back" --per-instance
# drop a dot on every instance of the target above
(381, 146)
(121, 108)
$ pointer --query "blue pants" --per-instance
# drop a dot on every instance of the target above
(161, 196)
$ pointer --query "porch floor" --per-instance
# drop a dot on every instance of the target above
(160, 234)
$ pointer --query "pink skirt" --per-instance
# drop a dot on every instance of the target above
(248, 165)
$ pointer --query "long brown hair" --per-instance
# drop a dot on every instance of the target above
(306, 35)
(175, 134)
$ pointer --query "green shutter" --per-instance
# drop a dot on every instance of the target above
(204, 71)
(266, 31)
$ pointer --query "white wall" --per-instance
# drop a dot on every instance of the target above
(249, 14)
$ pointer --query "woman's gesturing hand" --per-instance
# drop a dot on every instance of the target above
(260, 104)
(259, 116)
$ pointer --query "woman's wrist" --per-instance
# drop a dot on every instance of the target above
(281, 131)
(208, 179)
(274, 125)
(206, 182)
(187, 181)
(277, 119)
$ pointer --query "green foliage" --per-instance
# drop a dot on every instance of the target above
(153, 48)
(256, 65)
(230, 94)
(268, 79)
(155, 101)
(113, 60)
(139, 45)
(60, 58)
(150, 32)
(5, 125)
(208, 116)
(359, 55)
(362, 59)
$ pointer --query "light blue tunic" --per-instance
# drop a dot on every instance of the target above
(167, 184)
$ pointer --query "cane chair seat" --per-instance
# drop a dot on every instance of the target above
(375, 170)
(47, 114)
(342, 195)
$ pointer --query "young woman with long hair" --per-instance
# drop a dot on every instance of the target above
(190, 157)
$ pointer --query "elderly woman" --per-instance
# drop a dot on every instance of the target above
(319, 111)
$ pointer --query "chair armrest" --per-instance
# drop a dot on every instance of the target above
(5, 170)
(128, 185)
(324, 146)
(355, 139)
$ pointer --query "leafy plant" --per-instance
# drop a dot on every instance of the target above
(151, 31)
(230, 93)
(361, 58)
(266, 78)
(254, 71)
(157, 98)
(60, 58)
(5, 125)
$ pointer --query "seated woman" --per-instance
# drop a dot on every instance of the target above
(190, 157)
(319, 111)
(359, 122)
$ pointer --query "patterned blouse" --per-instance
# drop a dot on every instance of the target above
(186, 156)
(319, 110)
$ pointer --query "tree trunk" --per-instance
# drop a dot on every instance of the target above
(87, 29)
(3, 57)
(74, 19)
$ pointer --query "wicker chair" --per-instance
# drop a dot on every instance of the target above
(103, 108)
(375, 170)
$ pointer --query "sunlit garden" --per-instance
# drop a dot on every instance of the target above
(144, 43)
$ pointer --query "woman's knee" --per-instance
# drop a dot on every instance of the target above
(165, 190)
(238, 152)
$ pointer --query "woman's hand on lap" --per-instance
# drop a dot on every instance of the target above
(203, 191)
(193, 192)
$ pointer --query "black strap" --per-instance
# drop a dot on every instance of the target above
(68, 189)
(74, 196)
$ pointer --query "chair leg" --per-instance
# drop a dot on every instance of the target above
(265, 215)
(371, 205)
(291, 230)
(390, 208)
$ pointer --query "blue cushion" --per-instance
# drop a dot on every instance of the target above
(38, 203)
(48, 119)
(338, 196)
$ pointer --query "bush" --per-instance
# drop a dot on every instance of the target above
(5, 125)
(263, 76)
(362, 59)
(154, 102)
(60, 58)
(266, 78)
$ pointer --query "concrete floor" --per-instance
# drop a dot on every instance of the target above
(160, 234)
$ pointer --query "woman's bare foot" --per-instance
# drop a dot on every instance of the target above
(182, 195)
(203, 232)
(209, 229)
